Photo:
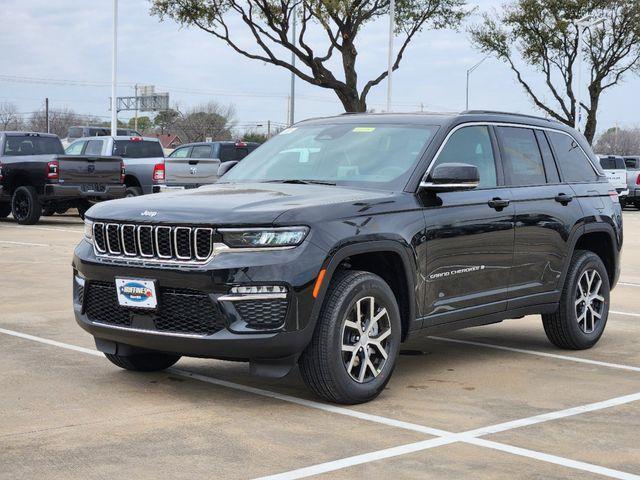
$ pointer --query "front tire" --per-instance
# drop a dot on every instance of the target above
(25, 206)
(582, 315)
(356, 341)
(143, 362)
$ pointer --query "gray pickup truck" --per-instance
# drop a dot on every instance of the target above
(143, 159)
(195, 164)
(37, 178)
(633, 180)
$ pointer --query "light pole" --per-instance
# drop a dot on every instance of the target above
(469, 72)
(114, 68)
(392, 15)
(292, 96)
(581, 24)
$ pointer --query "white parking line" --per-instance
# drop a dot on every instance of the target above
(444, 437)
(628, 314)
(53, 229)
(628, 284)
(26, 244)
(540, 354)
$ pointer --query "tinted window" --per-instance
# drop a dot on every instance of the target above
(180, 152)
(631, 163)
(74, 132)
(227, 153)
(94, 147)
(573, 162)
(75, 148)
(380, 155)
(201, 151)
(521, 156)
(613, 163)
(32, 145)
(137, 149)
(471, 145)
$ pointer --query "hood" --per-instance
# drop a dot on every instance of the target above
(231, 204)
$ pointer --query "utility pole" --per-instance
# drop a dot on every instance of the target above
(469, 72)
(46, 114)
(392, 15)
(135, 121)
(292, 96)
(268, 129)
(114, 67)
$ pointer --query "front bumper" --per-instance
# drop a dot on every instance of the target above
(107, 192)
(237, 338)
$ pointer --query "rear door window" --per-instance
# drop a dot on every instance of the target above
(573, 162)
(182, 152)
(94, 147)
(201, 151)
(75, 148)
(521, 157)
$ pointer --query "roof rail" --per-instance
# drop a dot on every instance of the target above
(497, 112)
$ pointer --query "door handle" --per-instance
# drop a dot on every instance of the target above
(498, 203)
(563, 198)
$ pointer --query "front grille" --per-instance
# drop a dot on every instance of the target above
(179, 311)
(174, 243)
(262, 314)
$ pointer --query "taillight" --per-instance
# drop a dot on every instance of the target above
(122, 172)
(136, 139)
(52, 170)
(158, 172)
(614, 196)
(638, 180)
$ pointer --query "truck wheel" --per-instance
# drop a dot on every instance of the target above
(584, 305)
(133, 192)
(82, 208)
(143, 362)
(356, 341)
(25, 206)
(5, 210)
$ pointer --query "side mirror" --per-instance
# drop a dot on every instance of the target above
(226, 166)
(452, 177)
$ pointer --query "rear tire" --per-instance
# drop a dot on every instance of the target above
(143, 362)
(344, 344)
(5, 210)
(25, 206)
(582, 315)
(133, 192)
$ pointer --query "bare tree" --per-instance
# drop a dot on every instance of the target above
(207, 120)
(9, 117)
(541, 33)
(338, 22)
(59, 121)
(617, 141)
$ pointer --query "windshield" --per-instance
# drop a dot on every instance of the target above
(377, 155)
(32, 145)
(137, 149)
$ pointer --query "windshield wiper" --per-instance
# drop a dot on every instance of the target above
(298, 181)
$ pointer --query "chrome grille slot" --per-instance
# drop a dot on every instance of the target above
(161, 243)
(128, 235)
(99, 238)
(203, 242)
(113, 239)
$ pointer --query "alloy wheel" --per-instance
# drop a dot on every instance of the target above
(589, 302)
(366, 333)
(21, 206)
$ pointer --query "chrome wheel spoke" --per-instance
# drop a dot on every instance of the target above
(590, 303)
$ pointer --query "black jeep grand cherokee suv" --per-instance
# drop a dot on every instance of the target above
(340, 237)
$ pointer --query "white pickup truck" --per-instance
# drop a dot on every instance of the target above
(633, 181)
(195, 164)
(614, 167)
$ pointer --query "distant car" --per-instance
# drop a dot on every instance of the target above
(96, 131)
(143, 159)
(37, 178)
(616, 171)
(633, 180)
(195, 164)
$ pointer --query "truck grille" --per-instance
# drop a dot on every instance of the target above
(174, 243)
(179, 311)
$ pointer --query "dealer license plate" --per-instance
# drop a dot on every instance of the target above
(138, 293)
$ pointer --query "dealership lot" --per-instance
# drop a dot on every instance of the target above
(491, 402)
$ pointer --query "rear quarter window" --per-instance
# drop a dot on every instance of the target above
(573, 162)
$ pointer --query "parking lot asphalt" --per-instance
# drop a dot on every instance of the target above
(489, 402)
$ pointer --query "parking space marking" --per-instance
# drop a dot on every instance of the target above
(443, 437)
(628, 284)
(26, 244)
(628, 314)
(53, 229)
(540, 354)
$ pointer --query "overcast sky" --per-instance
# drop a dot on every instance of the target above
(71, 40)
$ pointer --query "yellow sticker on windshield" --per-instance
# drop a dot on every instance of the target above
(364, 129)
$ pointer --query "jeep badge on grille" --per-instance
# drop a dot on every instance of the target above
(148, 213)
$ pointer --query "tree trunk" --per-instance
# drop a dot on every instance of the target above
(592, 121)
(351, 100)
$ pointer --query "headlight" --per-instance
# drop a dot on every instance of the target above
(263, 237)
(88, 230)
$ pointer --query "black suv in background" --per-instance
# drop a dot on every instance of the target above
(341, 237)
